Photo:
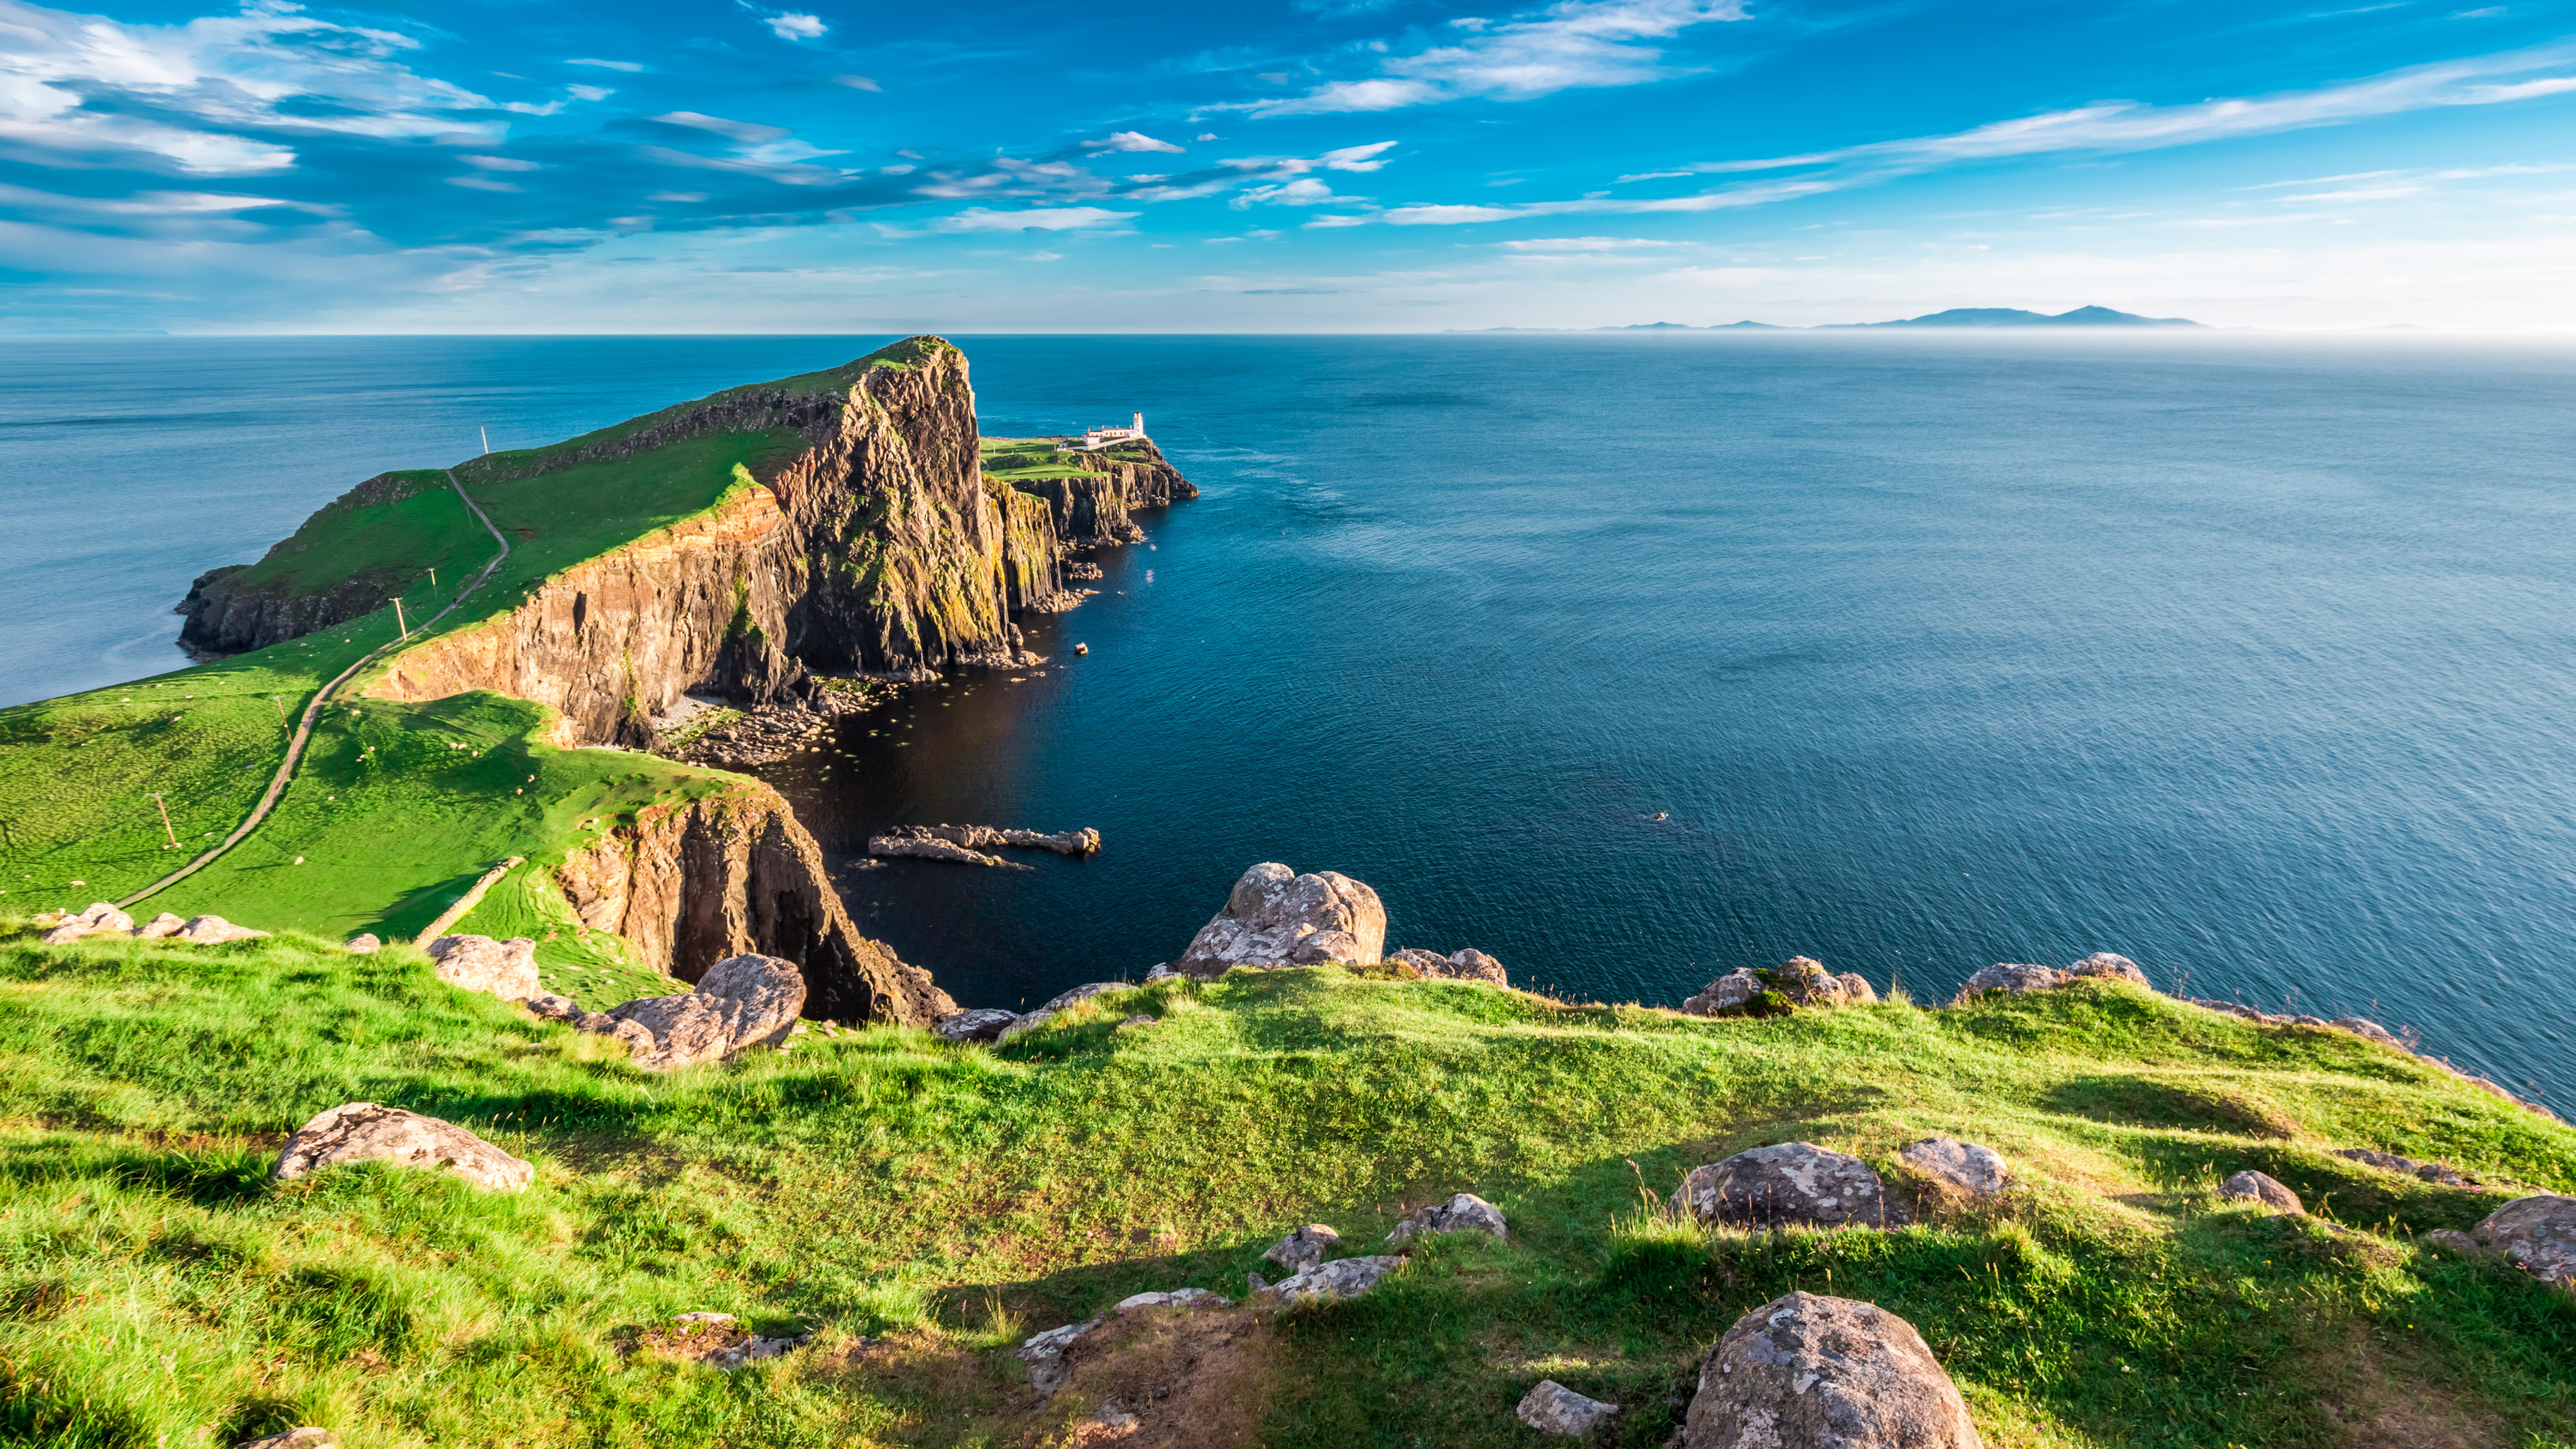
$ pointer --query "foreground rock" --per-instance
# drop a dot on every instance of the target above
(1960, 1167)
(1552, 1408)
(1302, 1249)
(743, 1002)
(1792, 1184)
(2251, 1186)
(506, 969)
(2407, 1166)
(2537, 1234)
(365, 1132)
(1467, 965)
(2018, 978)
(1326, 1282)
(1800, 981)
(983, 1024)
(1808, 1372)
(1464, 1213)
(1275, 917)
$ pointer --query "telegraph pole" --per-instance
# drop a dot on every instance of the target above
(398, 617)
(165, 821)
(487, 440)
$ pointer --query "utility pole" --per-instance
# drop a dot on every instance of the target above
(487, 440)
(165, 821)
(280, 702)
(398, 617)
(433, 579)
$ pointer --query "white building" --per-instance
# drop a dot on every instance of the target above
(1103, 437)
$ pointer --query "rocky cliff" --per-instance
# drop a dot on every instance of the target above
(1092, 510)
(693, 883)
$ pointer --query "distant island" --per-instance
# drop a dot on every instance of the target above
(1955, 317)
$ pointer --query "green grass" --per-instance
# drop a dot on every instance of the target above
(951, 1200)
(1029, 459)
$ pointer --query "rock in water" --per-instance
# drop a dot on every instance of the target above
(1276, 917)
(1962, 1167)
(1343, 1278)
(742, 1002)
(1302, 1249)
(2538, 1234)
(2256, 1187)
(506, 969)
(1463, 1213)
(1794, 1183)
(980, 1025)
(365, 1132)
(1808, 1372)
(1552, 1408)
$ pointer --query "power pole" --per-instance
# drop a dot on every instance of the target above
(398, 617)
(281, 710)
(433, 579)
(165, 821)
(487, 440)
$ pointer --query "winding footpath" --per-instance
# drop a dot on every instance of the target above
(313, 711)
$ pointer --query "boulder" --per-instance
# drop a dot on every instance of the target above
(1794, 1183)
(1806, 982)
(2251, 1186)
(2537, 1233)
(1800, 981)
(365, 1132)
(2407, 1166)
(1467, 965)
(214, 930)
(1341, 1278)
(1464, 1213)
(1727, 995)
(2013, 977)
(982, 1024)
(1020, 1026)
(99, 919)
(1961, 1167)
(555, 1008)
(1275, 917)
(364, 943)
(742, 1002)
(1809, 1372)
(1552, 1408)
(168, 923)
(1177, 1298)
(506, 969)
(2107, 966)
(307, 1437)
(1063, 999)
(1856, 990)
(1302, 1249)
(1044, 1354)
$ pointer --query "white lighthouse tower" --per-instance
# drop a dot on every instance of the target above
(1103, 437)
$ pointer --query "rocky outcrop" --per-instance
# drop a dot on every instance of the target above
(231, 610)
(365, 1132)
(691, 883)
(748, 1001)
(2537, 1234)
(2407, 1166)
(1302, 1249)
(1275, 917)
(1341, 1278)
(1800, 981)
(2019, 977)
(2257, 1187)
(1793, 1184)
(100, 919)
(1552, 1408)
(1963, 1168)
(1467, 965)
(1092, 510)
(506, 969)
(983, 1024)
(1463, 1213)
(1810, 1372)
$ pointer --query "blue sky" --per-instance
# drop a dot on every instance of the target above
(1302, 165)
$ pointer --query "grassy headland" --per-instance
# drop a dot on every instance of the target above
(945, 1202)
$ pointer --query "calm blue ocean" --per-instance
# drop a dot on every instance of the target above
(2251, 658)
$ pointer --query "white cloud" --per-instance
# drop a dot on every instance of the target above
(772, 146)
(1305, 191)
(1044, 218)
(64, 76)
(590, 93)
(857, 83)
(1130, 141)
(796, 27)
(1583, 244)
(624, 65)
(484, 183)
(499, 163)
(1570, 45)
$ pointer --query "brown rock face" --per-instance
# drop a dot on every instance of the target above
(1808, 1372)
(692, 884)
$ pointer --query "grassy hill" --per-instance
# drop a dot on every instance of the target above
(942, 1203)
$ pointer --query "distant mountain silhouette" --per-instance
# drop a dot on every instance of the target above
(2015, 317)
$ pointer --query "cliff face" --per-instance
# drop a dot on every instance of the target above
(693, 883)
(1092, 510)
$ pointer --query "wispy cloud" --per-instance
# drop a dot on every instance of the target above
(1036, 218)
(788, 24)
(1131, 141)
(1571, 45)
(624, 65)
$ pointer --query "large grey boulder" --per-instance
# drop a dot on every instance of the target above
(1464, 1213)
(1302, 1249)
(506, 969)
(1552, 1408)
(365, 1132)
(1809, 1372)
(100, 919)
(1792, 1184)
(981, 1024)
(1965, 1168)
(742, 1002)
(2537, 1233)
(1342, 1278)
(2251, 1186)
(1275, 917)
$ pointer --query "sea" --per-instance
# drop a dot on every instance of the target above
(1628, 659)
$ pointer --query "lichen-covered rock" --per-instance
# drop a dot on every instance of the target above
(1044, 1354)
(100, 919)
(2108, 966)
(1463, 1213)
(1342, 1278)
(1809, 1372)
(2537, 1233)
(2408, 1166)
(1805, 982)
(742, 1002)
(1302, 1249)
(2251, 1186)
(1856, 990)
(1552, 1408)
(1961, 1167)
(366, 1132)
(506, 969)
(1791, 1184)
(1275, 917)
(1467, 965)
(1177, 1298)
(1728, 994)
(981, 1024)
(2015, 977)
